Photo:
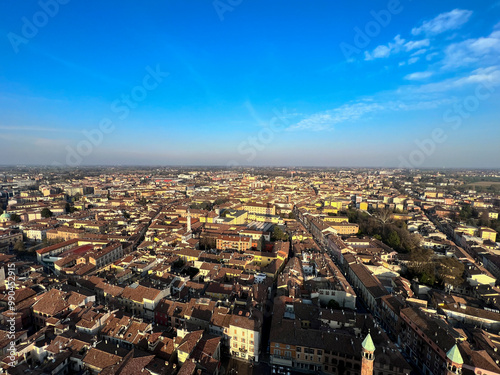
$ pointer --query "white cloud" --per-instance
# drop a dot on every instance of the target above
(430, 56)
(383, 51)
(445, 21)
(418, 76)
(483, 49)
(413, 60)
(345, 113)
(415, 44)
(419, 52)
(489, 76)
(396, 46)
(351, 112)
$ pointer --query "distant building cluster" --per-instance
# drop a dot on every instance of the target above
(206, 271)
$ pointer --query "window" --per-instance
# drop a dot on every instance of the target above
(288, 346)
(298, 349)
(320, 351)
(276, 345)
(288, 354)
(277, 352)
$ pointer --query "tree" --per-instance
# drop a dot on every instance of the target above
(46, 213)
(1, 211)
(450, 271)
(420, 259)
(484, 219)
(332, 304)
(220, 201)
(179, 263)
(278, 234)
(466, 212)
(384, 216)
(15, 218)
(19, 246)
(393, 240)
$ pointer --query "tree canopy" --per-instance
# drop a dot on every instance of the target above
(46, 213)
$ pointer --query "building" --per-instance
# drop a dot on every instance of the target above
(9, 237)
(487, 234)
(367, 355)
(240, 243)
(454, 361)
(256, 208)
(245, 334)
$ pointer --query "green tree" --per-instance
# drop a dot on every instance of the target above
(428, 278)
(46, 213)
(393, 239)
(15, 218)
(466, 212)
(220, 201)
(278, 234)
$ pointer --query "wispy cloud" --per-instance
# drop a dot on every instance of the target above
(484, 49)
(345, 113)
(417, 44)
(383, 50)
(418, 76)
(413, 60)
(445, 21)
(396, 46)
(352, 112)
(412, 97)
(489, 75)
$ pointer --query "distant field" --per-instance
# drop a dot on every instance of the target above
(484, 183)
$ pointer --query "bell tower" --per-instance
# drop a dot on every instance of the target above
(367, 355)
(454, 361)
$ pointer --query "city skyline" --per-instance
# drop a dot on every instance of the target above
(380, 84)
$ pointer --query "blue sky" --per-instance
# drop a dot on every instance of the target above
(250, 82)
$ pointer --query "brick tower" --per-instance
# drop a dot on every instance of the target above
(367, 355)
(454, 361)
